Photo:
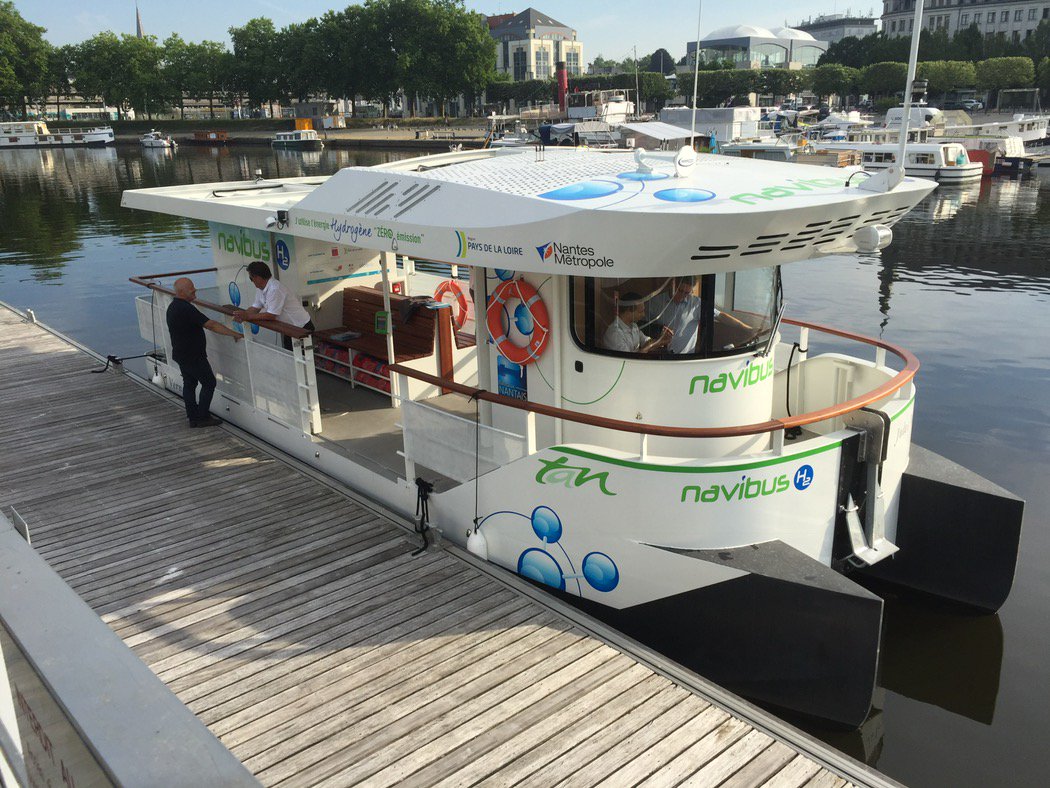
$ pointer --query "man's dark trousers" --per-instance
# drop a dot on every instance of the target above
(194, 372)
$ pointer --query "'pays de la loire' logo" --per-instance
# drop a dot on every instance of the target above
(560, 472)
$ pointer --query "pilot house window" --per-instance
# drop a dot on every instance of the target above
(676, 317)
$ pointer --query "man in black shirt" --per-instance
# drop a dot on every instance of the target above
(186, 326)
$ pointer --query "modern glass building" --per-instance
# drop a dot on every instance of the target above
(758, 47)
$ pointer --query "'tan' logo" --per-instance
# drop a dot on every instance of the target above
(560, 472)
(546, 250)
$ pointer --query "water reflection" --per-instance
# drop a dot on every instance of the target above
(933, 654)
(57, 201)
(989, 236)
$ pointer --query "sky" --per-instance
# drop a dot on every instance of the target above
(611, 28)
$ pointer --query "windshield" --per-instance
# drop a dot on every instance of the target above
(677, 317)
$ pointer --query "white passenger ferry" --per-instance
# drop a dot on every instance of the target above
(721, 497)
(36, 134)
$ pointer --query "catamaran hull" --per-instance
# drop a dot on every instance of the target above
(958, 535)
(790, 633)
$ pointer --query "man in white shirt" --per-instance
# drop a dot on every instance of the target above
(623, 333)
(273, 302)
(679, 311)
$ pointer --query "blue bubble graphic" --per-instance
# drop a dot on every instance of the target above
(803, 477)
(643, 176)
(523, 319)
(535, 564)
(600, 571)
(684, 195)
(503, 274)
(235, 294)
(587, 190)
(255, 328)
(546, 524)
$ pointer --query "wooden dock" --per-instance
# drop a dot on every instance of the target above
(295, 623)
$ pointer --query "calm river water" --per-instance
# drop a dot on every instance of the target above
(965, 286)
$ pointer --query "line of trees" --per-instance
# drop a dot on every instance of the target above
(967, 44)
(969, 59)
(880, 79)
(433, 49)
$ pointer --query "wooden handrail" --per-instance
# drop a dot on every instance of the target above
(287, 329)
(894, 384)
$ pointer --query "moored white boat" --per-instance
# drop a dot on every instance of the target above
(946, 161)
(1030, 128)
(36, 134)
(298, 139)
(156, 139)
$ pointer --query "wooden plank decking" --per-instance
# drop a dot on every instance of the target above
(297, 626)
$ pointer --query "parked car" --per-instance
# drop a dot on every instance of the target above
(970, 105)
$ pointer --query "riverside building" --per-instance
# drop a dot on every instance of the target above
(1015, 19)
(531, 42)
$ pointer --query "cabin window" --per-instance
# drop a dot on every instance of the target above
(922, 158)
(709, 315)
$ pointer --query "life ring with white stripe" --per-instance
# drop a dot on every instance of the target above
(531, 301)
(459, 317)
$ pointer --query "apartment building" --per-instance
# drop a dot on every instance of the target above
(530, 43)
(1015, 19)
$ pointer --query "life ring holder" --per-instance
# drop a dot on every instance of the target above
(459, 317)
(531, 300)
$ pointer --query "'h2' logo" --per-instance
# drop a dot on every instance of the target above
(803, 477)
(284, 257)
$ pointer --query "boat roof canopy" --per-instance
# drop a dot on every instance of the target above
(595, 213)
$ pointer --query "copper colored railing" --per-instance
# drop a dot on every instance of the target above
(286, 329)
(891, 386)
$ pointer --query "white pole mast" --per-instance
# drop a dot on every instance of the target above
(913, 60)
(888, 179)
(696, 73)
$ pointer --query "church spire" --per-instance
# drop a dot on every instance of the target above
(138, 23)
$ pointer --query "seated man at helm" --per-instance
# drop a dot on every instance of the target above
(680, 311)
(623, 333)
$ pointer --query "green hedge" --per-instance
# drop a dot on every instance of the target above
(176, 125)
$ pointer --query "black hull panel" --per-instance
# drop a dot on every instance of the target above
(958, 534)
(792, 633)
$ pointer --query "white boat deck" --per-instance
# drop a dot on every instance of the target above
(295, 623)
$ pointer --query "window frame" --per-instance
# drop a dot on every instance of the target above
(705, 350)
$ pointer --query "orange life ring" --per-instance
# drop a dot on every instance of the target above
(532, 302)
(451, 286)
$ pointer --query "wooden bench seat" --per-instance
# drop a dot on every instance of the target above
(412, 339)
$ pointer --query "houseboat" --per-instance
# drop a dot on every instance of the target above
(299, 139)
(601, 392)
(36, 134)
(948, 162)
(156, 139)
(1030, 128)
(219, 137)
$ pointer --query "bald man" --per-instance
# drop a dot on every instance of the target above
(186, 326)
